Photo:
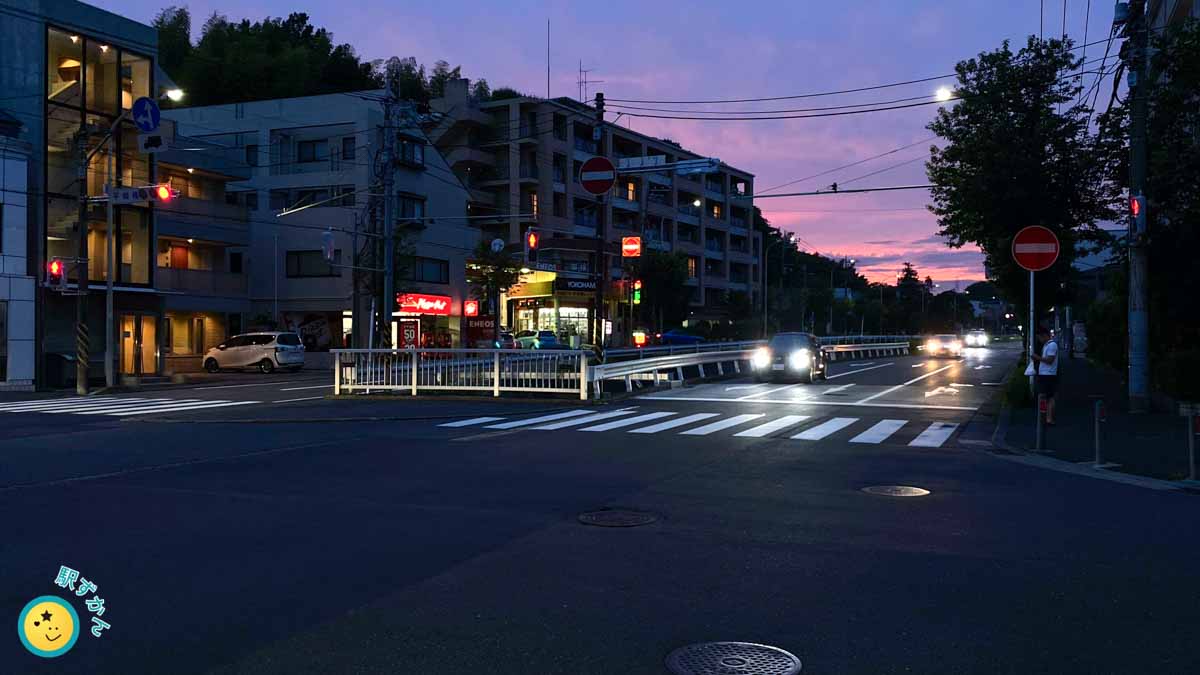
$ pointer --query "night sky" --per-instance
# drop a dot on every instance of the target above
(722, 50)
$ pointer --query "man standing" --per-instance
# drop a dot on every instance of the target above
(1047, 371)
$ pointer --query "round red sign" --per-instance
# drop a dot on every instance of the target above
(597, 175)
(1035, 248)
(631, 247)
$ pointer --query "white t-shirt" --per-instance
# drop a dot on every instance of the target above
(1049, 349)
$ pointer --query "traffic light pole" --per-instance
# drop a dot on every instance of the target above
(389, 216)
(109, 352)
(1139, 341)
(82, 344)
(601, 234)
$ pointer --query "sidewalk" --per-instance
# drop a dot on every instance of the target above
(1153, 444)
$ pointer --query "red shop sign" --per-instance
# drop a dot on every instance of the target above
(419, 303)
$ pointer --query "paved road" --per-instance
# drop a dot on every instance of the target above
(413, 546)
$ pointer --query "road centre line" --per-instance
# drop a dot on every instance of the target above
(319, 386)
(860, 370)
(815, 401)
(901, 386)
(293, 400)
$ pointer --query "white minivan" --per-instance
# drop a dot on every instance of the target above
(266, 351)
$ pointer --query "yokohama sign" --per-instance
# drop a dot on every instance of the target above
(418, 303)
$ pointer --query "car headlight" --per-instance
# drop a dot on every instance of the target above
(983, 340)
(933, 346)
(799, 359)
(971, 339)
(761, 358)
(955, 346)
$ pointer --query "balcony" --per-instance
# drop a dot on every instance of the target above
(714, 191)
(206, 219)
(713, 249)
(586, 145)
(201, 282)
(463, 156)
(619, 201)
(658, 177)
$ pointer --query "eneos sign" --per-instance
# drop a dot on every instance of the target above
(419, 303)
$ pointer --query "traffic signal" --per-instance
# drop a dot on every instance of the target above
(532, 240)
(637, 291)
(1137, 211)
(56, 271)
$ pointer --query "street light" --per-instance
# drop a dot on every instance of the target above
(944, 94)
(789, 238)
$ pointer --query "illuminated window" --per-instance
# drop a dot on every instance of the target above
(630, 191)
(692, 265)
(533, 204)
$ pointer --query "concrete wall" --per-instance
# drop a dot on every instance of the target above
(16, 286)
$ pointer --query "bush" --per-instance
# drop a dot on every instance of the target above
(1016, 387)
(1178, 374)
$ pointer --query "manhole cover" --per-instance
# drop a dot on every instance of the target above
(732, 658)
(896, 491)
(617, 518)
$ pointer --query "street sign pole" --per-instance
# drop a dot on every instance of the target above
(1031, 331)
(1035, 248)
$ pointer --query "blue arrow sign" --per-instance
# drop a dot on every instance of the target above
(145, 114)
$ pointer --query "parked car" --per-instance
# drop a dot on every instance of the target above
(792, 356)
(266, 351)
(537, 339)
(944, 345)
(677, 336)
(506, 341)
(977, 337)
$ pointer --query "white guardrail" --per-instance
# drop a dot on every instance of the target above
(554, 371)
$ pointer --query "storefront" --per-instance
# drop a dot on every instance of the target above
(559, 304)
(425, 320)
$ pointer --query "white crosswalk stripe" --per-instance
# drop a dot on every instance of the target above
(879, 432)
(630, 420)
(772, 426)
(825, 428)
(115, 406)
(934, 435)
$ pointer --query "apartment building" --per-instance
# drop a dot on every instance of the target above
(521, 157)
(17, 282)
(314, 168)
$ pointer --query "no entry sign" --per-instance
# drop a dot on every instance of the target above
(597, 175)
(1035, 248)
(631, 247)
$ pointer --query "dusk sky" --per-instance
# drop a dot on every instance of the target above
(707, 50)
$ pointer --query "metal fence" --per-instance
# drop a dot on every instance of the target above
(412, 371)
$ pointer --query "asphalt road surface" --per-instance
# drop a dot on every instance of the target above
(273, 535)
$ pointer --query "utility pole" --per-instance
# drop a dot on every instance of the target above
(389, 216)
(1139, 341)
(601, 230)
(82, 343)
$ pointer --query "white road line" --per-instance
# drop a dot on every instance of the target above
(960, 384)
(121, 405)
(901, 386)
(543, 418)
(755, 395)
(473, 420)
(841, 387)
(205, 405)
(817, 401)
(917, 365)
(825, 428)
(722, 424)
(859, 365)
(52, 402)
(772, 426)
(671, 424)
(307, 398)
(63, 403)
(879, 432)
(238, 386)
(934, 435)
(860, 370)
(319, 386)
(584, 420)
(629, 421)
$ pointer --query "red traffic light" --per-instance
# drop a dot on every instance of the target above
(532, 240)
(637, 284)
(1135, 206)
(163, 192)
(55, 268)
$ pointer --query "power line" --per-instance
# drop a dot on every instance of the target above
(831, 192)
(759, 112)
(883, 170)
(847, 166)
(791, 117)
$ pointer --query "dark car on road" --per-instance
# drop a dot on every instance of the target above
(789, 356)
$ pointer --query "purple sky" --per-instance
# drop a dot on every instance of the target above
(705, 50)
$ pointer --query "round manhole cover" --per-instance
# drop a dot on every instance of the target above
(732, 658)
(896, 491)
(617, 518)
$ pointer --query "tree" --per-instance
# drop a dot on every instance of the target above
(506, 93)
(480, 91)
(1011, 160)
(442, 73)
(174, 25)
(664, 287)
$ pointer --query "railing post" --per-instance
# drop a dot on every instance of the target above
(496, 373)
(1097, 413)
(413, 360)
(583, 372)
(337, 373)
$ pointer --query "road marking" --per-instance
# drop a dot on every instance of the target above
(992, 384)
(584, 420)
(917, 365)
(980, 367)
(746, 386)
(536, 420)
(825, 428)
(940, 390)
(772, 426)
(722, 424)
(842, 387)
(751, 397)
(473, 420)
(901, 386)
(879, 432)
(816, 401)
(934, 435)
(307, 398)
(629, 421)
(238, 386)
(186, 406)
(859, 365)
(125, 405)
(34, 406)
(319, 386)
(671, 424)
(861, 370)
(960, 384)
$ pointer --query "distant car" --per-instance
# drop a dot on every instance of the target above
(266, 351)
(944, 345)
(977, 338)
(675, 336)
(791, 356)
(537, 339)
(506, 341)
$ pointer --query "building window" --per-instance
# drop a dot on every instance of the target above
(279, 200)
(716, 211)
(306, 151)
(533, 204)
(630, 191)
(311, 196)
(347, 194)
(560, 205)
(693, 263)
(348, 148)
(251, 198)
(235, 262)
(560, 127)
(411, 207)
(576, 168)
(412, 152)
(429, 270)
(311, 264)
(252, 155)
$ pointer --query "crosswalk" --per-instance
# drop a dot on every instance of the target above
(917, 434)
(115, 406)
